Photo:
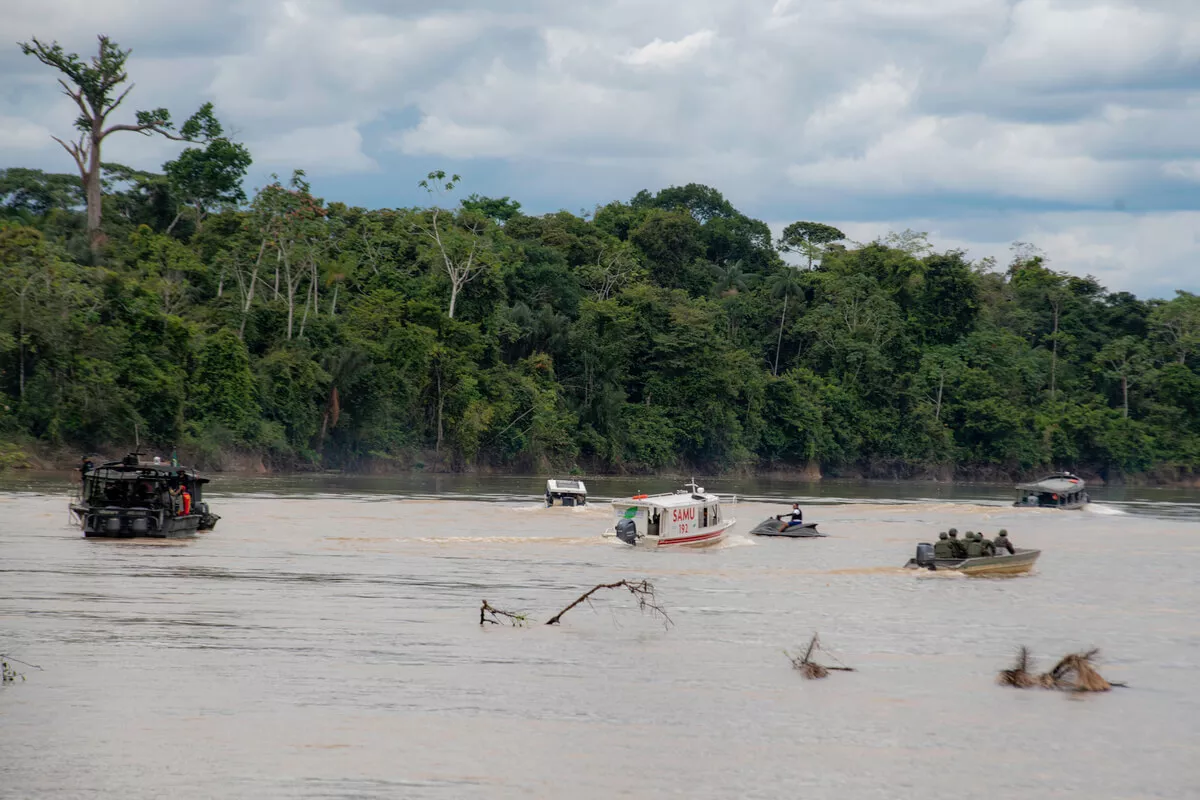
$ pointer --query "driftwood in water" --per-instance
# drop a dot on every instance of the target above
(811, 669)
(1019, 675)
(493, 615)
(1073, 673)
(643, 590)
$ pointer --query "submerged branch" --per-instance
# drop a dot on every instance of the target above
(643, 590)
(493, 615)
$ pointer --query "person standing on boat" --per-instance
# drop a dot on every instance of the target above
(1002, 542)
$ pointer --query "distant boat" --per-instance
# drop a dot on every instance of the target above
(689, 517)
(132, 497)
(567, 493)
(1060, 490)
(1000, 564)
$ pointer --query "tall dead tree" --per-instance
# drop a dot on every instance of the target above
(458, 239)
(93, 86)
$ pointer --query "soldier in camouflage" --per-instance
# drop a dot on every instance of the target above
(943, 549)
(957, 547)
(1002, 542)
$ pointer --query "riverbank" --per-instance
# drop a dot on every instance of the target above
(39, 457)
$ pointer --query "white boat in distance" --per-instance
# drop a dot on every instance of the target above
(688, 517)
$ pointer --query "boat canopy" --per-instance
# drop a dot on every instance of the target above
(555, 486)
(1058, 484)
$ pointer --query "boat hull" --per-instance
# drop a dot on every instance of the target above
(116, 525)
(1016, 563)
(1059, 507)
(705, 538)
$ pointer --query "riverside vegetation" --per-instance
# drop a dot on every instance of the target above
(667, 332)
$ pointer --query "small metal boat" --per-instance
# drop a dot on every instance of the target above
(567, 493)
(689, 517)
(1003, 563)
(1060, 490)
(791, 530)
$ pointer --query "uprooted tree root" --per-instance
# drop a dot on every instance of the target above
(811, 669)
(642, 590)
(1073, 673)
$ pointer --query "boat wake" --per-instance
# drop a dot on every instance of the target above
(1105, 510)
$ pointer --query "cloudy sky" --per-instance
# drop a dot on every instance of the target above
(1071, 124)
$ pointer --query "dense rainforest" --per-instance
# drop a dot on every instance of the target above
(671, 331)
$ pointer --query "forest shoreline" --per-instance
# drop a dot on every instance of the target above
(37, 457)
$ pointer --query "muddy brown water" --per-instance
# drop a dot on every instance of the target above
(323, 641)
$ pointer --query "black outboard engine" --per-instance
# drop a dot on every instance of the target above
(568, 501)
(627, 531)
(925, 555)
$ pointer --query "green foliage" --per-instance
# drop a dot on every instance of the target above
(662, 333)
(222, 384)
(26, 194)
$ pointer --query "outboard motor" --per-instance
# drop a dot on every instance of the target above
(627, 531)
(925, 555)
(568, 500)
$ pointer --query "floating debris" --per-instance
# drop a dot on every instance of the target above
(1073, 673)
(1019, 675)
(811, 669)
(493, 615)
(643, 590)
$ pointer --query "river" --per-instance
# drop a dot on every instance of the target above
(324, 642)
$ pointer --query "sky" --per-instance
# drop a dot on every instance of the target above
(1069, 124)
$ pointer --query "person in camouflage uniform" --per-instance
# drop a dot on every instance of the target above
(989, 549)
(943, 549)
(974, 547)
(1003, 543)
(957, 547)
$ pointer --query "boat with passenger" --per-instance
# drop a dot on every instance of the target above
(689, 517)
(1060, 490)
(132, 497)
(1002, 563)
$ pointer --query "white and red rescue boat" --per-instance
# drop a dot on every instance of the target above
(689, 517)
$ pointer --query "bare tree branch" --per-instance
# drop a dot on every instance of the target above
(643, 590)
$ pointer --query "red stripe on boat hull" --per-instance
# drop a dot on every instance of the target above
(704, 537)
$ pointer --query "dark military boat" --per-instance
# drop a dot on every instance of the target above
(1061, 490)
(132, 497)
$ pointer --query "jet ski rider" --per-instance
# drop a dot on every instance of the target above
(795, 518)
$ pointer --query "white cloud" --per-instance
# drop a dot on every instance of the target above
(1114, 247)
(1057, 41)
(21, 134)
(659, 53)
(961, 154)
(858, 109)
(320, 149)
